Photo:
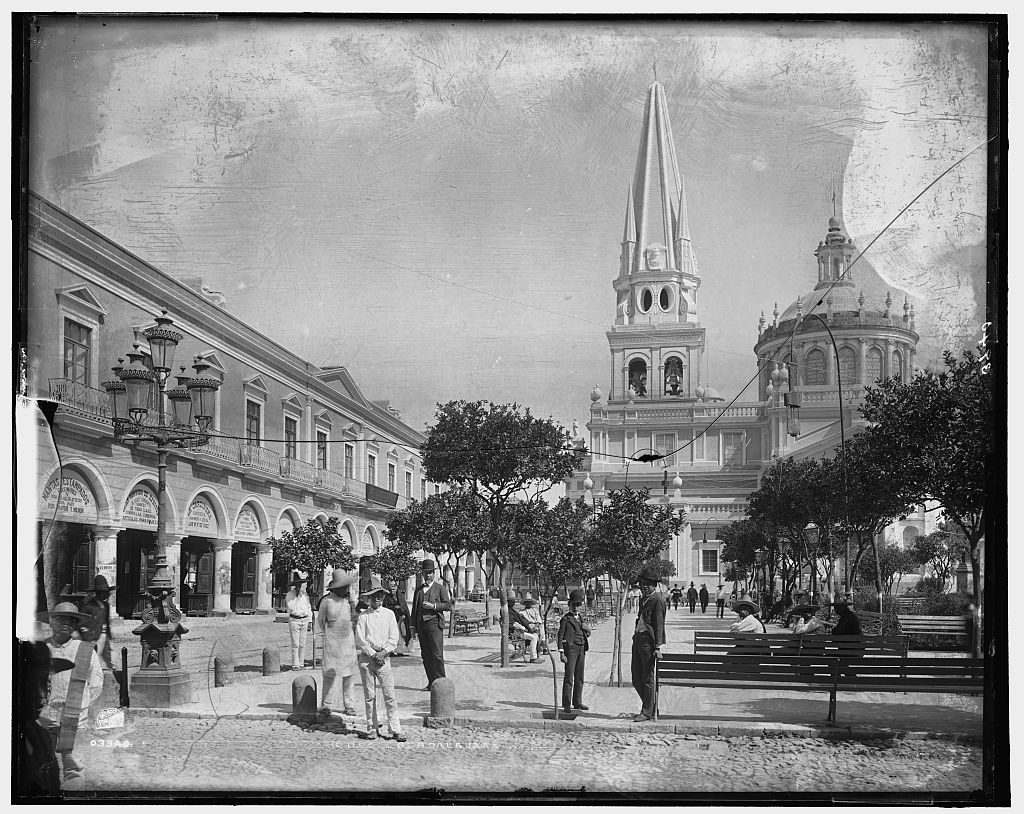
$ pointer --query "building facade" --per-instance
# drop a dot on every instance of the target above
(291, 442)
(662, 427)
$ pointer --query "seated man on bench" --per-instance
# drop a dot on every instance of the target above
(516, 621)
(810, 623)
(531, 614)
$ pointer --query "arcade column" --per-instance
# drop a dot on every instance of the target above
(174, 568)
(221, 577)
(105, 538)
(264, 578)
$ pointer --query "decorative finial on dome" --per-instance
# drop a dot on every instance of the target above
(760, 323)
(595, 394)
(888, 303)
(828, 305)
(775, 313)
(860, 299)
(906, 308)
(588, 484)
(911, 316)
(799, 306)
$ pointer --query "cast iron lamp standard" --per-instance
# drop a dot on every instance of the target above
(161, 682)
(842, 443)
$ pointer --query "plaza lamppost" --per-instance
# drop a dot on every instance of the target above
(137, 389)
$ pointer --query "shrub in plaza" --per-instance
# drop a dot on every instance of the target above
(629, 533)
(505, 457)
(940, 425)
(312, 549)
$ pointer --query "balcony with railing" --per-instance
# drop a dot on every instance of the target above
(301, 471)
(257, 457)
(80, 398)
(335, 482)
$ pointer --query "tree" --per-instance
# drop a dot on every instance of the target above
(941, 551)
(893, 563)
(445, 525)
(941, 425)
(558, 556)
(498, 452)
(394, 563)
(312, 549)
(630, 533)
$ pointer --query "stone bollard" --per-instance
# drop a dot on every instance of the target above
(442, 703)
(271, 661)
(304, 695)
(223, 667)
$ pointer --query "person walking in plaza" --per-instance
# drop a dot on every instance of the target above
(573, 644)
(720, 601)
(648, 641)
(376, 639)
(677, 597)
(394, 601)
(98, 632)
(299, 613)
(334, 619)
(428, 606)
(705, 597)
(590, 597)
(76, 681)
(691, 598)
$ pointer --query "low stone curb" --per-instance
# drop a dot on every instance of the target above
(695, 730)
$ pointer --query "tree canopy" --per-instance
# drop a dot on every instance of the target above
(312, 548)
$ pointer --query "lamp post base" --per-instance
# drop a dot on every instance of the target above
(160, 689)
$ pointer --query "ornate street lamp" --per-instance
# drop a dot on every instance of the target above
(161, 682)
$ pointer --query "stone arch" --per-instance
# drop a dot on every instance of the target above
(675, 374)
(260, 510)
(910, 533)
(320, 517)
(152, 482)
(220, 510)
(292, 513)
(896, 370)
(847, 364)
(637, 375)
(370, 530)
(348, 532)
(105, 509)
(873, 365)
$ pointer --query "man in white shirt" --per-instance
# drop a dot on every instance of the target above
(531, 614)
(76, 680)
(720, 602)
(748, 622)
(376, 640)
(808, 624)
(299, 613)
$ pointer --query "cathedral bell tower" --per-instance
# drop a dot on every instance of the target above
(656, 342)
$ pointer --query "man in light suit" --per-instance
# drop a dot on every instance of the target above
(428, 606)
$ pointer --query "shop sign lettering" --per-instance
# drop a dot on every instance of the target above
(247, 524)
(140, 509)
(77, 503)
(200, 517)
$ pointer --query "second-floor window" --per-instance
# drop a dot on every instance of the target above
(665, 443)
(77, 341)
(371, 469)
(291, 434)
(732, 448)
(252, 422)
(423, 488)
(350, 461)
(391, 478)
(408, 485)
(321, 449)
(709, 561)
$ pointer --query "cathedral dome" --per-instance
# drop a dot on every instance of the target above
(845, 298)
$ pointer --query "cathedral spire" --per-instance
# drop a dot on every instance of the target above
(657, 189)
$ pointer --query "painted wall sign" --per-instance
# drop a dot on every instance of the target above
(201, 518)
(140, 509)
(248, 524)
(77, 502)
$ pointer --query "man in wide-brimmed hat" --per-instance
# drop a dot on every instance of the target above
(76, 680)
(720, 601)
(299, 614)
(98, 630)
(428, 606)
(531, 613)
(334, 619)
(516, 621)
(376, 640)
(648, 640)
(748, 621)
(848, 623)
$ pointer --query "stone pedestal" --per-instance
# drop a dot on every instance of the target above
(264, 579)
(221, 578)
(160, 683)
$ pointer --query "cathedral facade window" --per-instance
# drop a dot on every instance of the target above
(814, 373)
(873, 365)
(847, 365)
(638, 377)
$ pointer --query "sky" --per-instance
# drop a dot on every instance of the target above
(438, 205)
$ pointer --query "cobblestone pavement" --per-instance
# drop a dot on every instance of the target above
(234, 754)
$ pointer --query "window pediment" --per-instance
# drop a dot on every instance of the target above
(255, 385)
(80, 301)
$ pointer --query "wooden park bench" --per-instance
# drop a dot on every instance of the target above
(466, 623)
(786, 644)
(827, 674)
(956, 626)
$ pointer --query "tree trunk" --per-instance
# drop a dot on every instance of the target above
(616, 671)
(878, 570)
(503, 614)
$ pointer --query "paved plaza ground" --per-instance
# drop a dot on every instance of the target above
(237, 736)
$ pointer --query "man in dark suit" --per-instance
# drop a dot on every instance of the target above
(394, 600)
(691, 597)
(648, 639)
(572, 651)
(428, 606)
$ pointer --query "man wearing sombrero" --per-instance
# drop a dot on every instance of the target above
(76, 680)
(748, 621)
(98, 632)
(334, 618)
(299, 613)
(376, 640)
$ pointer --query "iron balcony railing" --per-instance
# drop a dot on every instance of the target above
(301, 471)
(80, 398)
(260, 458)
